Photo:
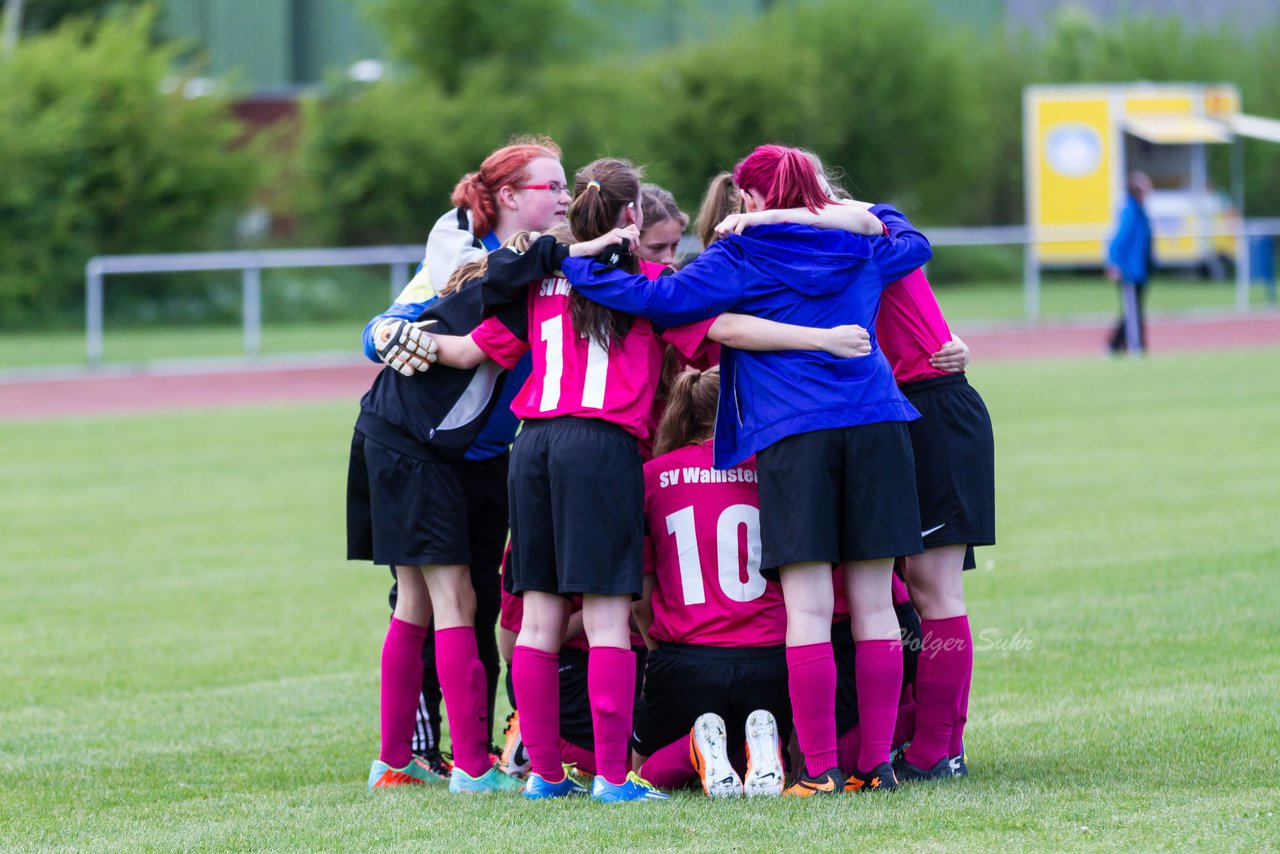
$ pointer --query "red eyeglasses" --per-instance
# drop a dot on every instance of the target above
(555, 188)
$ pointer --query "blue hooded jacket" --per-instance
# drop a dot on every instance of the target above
(792, 274)
(1130, 249)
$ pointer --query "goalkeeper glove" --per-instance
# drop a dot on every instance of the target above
(404, 346)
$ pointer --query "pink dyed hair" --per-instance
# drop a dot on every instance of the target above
(784, 176)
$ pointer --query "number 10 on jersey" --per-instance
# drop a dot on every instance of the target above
(728, 554)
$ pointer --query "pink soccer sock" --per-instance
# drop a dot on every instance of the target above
(462, 682)
(811, 679)
(670, 767)
(906, 725)
(956, 747)
(401, 685)
(580, 756)
(536, 677)
(847, 749)
(938, 688)
(878, 670)
(611, 686)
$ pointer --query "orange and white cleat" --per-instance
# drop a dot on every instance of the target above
(710, 758)
(765, 774)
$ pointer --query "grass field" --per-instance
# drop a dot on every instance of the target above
(969, 304)
(188, 663)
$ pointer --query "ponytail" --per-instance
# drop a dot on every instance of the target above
(722, 199)
(602, 190)
(473, 194)
(784, 176)
(690, 417)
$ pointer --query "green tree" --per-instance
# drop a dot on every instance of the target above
(42, 15)
(449, 41)
(100, 158)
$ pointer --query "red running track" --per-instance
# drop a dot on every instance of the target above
(95, 394)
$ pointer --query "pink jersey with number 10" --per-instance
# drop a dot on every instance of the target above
(575, 376)
(704, 550)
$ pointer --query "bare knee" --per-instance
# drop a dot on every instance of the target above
(607, 620)
(810, 601)
(453, 600)
(936, 581)
(543, 624)
(413, 604)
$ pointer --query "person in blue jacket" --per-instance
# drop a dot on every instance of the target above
(1129, 263)
(833, 454)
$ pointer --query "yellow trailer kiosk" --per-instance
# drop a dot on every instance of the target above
(1081, 142)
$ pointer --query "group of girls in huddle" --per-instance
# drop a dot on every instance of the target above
(781, 483)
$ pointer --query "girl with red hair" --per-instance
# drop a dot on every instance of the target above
(836, 473)
(519, 187)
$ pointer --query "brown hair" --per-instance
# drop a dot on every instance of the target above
(659, 206)
(473, 271)
(601, 192)
(507, 166)
(721, 200)
(690, 418)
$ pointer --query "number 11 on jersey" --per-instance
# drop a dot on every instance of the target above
(597, 370)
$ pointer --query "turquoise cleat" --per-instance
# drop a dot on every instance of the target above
(634, 788)
(493, 780)
(416, 773)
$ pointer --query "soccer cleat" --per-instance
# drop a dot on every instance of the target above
(416, 773)
(959, 767)
(908, 773)
(536, 787)
(493, 780)
(826, 783)
(515, 759)
(437, 762)
(572, 769)
(632, 789)
(764, 756)
(878, 779)
(707, 751)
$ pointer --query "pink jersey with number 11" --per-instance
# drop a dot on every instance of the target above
(704, 549)
(573, 375)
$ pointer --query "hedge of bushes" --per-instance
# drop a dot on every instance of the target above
(101, 155)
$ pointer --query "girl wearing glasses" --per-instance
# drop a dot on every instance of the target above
(576, 483)
(519, 187)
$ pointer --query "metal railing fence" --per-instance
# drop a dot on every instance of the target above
(400, 258)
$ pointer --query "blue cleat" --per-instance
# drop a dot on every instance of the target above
(632, 789)
(493, 780)
(537, 788)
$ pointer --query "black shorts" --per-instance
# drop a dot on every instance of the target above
(404, 510)
(682, 682)
(577, 509)
(955, 462)
(842, 646)
(575, 702)
(837, 495)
